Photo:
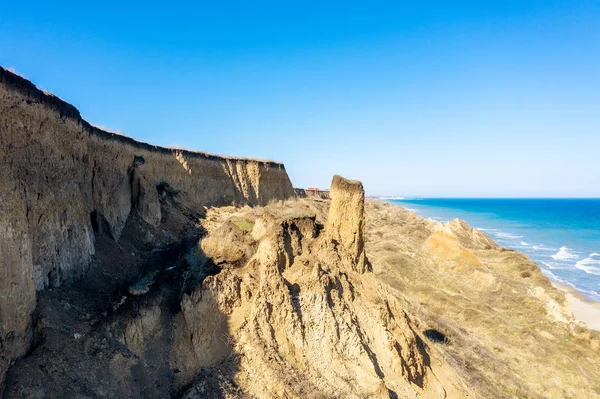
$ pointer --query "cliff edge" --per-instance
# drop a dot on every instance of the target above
(65, 180)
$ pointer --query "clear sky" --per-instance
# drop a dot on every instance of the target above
(427, 98)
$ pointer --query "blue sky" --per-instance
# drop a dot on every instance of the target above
(428, 98)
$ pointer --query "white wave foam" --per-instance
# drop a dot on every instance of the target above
(541, 247)
(507, 235)
(590, 293)
(555, 266)
(589, 265)
(564, 254)
(525, 244)
(412, 210)
(556, 278)
(482, 229)
(594, 254)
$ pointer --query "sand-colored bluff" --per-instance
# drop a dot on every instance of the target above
(346, 222)
(134, 271)
(63, 179)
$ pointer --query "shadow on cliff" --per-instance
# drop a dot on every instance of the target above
(117, 332)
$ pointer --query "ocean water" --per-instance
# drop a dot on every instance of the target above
(561, 235)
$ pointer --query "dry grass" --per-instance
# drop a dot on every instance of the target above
(500, 338)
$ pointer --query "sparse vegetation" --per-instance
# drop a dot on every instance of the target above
(244, 224)
(499, 330)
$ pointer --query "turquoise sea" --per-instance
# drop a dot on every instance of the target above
(561, 235)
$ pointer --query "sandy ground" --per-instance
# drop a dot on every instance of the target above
(583, 310)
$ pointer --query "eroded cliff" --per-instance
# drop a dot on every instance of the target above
(128, 270)
(275, 301)
(63, 180)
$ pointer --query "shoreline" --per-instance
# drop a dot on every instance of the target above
(584, 310)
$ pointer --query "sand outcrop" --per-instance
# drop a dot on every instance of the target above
(469, 237)
(448, 248)
(346, 222)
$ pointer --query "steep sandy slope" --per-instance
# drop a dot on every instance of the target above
(499, 322)
(275, 301)
(64, 179)
(299, 312)
(306, 298)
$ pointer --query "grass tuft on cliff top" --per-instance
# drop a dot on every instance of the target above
(245, 224)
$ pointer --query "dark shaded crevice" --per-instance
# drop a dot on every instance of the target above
(288, 251)
(294, 290)
(93, 177)
(216, 382)
(194, 275)
(133, 182)
(412, 377)
(318, 228)
(100, 225)
(436, 336)
(370, 353)
(423, 350)
(94, 221)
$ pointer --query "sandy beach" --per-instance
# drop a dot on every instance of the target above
(583, 310)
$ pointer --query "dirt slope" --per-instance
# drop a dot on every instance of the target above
(304, 315)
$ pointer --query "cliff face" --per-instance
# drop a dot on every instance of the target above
(64, 179)
(312, 194)
(317, 194)
(267, 302)
(303, 316)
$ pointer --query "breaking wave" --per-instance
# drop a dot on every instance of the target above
(564, 254)
(589, 265)
(541, 247)
(507, 235)
(555, 266)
